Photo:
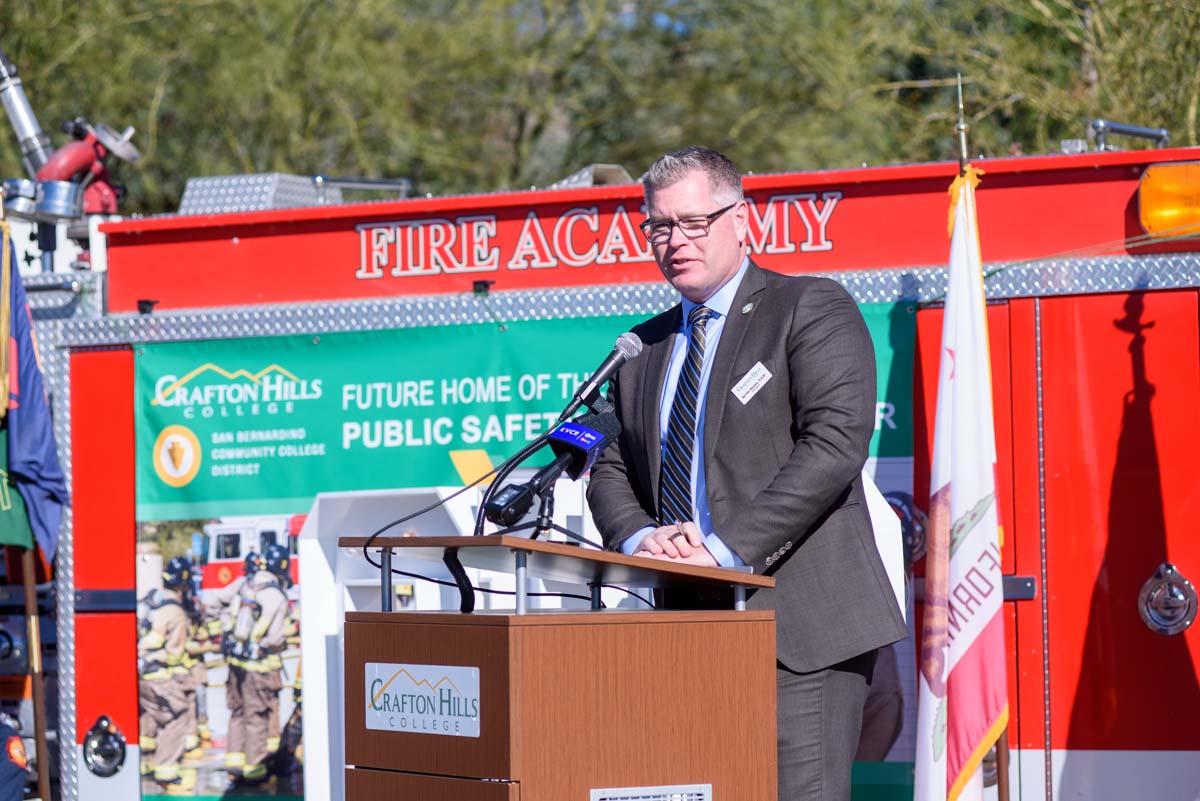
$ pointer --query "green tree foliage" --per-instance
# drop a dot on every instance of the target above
(480, 95)
(173, 537)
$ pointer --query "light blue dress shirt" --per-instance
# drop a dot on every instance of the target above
(719, 303)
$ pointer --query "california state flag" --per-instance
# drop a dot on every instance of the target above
(962, 691)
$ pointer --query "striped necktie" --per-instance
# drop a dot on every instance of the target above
(675, 481)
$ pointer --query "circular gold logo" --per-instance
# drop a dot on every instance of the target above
(176, 455)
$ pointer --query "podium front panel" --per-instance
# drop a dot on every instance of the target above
(571, 703)
(488, 756)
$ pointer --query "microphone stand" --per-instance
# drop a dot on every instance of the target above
(513, 501)
(543, 486)
(543, 524)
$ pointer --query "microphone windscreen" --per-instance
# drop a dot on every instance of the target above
(629, 344)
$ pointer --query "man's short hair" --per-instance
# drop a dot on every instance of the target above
(724, 180)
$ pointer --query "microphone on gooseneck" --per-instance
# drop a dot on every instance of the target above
(628, 346)
(576, 444)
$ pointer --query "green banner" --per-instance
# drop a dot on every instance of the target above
(250, 426)
(893, 328)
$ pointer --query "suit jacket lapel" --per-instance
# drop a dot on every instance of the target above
(720, 380)
(653, 376)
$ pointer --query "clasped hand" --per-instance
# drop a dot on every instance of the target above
(678, 542)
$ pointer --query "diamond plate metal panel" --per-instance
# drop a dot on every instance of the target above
(61, 296)
(499, 308)
(57, 375)
(1093, 275)
(925, 284)
(220, 194)
(1031, 279)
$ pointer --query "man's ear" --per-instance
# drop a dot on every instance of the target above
(741, 220)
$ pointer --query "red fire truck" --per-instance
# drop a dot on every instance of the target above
(1094, 316)
(227, 542)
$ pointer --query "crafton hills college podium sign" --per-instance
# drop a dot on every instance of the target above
(560, 705)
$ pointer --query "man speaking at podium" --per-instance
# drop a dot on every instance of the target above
(745, 423)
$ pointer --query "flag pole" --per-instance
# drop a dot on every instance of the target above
(961, 129)
(34, 648)
(1002, 755)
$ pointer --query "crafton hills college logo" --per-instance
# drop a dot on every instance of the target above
(177, 455)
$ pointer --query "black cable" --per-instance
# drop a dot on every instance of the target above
(418, 513)
(502, 472)
(445, 583)
(629, 592)
(494, 471)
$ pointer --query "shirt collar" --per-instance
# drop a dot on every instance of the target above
(720, 302)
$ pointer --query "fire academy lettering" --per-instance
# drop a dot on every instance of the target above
(579, 237)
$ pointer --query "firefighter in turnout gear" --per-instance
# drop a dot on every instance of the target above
(223, 605)
(228, 603)
(165, 686)
(252, 692)
(14, 764)
(291, 746)
(203, 638)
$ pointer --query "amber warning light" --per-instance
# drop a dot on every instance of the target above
(1169, 199)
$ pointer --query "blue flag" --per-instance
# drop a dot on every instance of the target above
(33, 464)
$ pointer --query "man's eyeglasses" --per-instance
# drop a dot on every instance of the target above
(659, 231)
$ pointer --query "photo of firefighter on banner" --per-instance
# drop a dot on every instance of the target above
(219, 684)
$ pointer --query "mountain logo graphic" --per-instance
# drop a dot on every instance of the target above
(197, 387)
(415, 683)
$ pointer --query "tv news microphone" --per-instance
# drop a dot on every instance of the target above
(576, 444)
(628, 346)
(583, 439)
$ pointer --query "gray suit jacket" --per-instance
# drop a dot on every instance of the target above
(783, 470)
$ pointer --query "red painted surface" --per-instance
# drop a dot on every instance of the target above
(1121, 497)
(102, 456)
(83, 160)
(928, 346)
(102, 462)
(1024, 538)
(1014, 398)
(1033, 207)
(106, 672)
(1008, 322)
(216, 575)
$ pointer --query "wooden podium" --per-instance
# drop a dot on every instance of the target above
(560, 705)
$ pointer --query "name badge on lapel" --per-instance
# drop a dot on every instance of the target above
(751, 383)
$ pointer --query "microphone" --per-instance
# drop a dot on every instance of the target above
(628, 346)
(576, 444)
(583, 439)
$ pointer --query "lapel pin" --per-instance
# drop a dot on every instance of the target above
(746, 309)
